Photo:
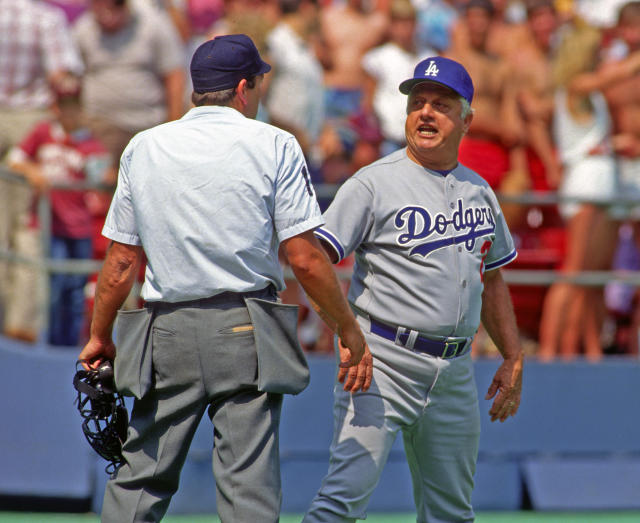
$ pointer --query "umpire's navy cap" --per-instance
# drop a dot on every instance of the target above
(222, 62)
(442, 71)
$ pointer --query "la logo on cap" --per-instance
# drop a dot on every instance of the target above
(432, 70)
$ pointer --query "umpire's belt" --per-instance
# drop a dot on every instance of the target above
(223, 298)
(446, 348)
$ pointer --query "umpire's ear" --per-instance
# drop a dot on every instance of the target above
(241, 92)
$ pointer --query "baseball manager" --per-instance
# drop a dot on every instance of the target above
(429, 240)
(209, 199)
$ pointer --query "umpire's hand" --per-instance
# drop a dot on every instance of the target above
(356, 362)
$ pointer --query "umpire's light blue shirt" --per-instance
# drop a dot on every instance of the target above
(210, 197)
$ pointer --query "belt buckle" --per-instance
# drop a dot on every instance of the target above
(456, 344)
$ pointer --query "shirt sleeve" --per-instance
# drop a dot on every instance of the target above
(296, 209)
(120, 224)
(349, 218)
(502, 250)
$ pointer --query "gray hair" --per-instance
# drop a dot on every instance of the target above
(222, 97)
(213, 97)
(466, 108)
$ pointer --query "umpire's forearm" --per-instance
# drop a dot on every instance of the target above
(498, 316)
(314, 271)
(321, 284)
(115, 280)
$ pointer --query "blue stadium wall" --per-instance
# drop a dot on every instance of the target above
(574, 445)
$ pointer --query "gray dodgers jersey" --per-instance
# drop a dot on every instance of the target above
(422, 243)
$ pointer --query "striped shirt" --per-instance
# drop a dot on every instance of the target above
(34, 42)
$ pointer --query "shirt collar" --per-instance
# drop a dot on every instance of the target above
(195, 112)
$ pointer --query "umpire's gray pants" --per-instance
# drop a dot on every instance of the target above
(203, 356)
(434, 403)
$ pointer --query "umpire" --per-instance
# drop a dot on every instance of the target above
(209, 199)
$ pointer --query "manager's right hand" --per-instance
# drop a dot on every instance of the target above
(356, 362)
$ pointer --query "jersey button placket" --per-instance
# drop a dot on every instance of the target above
(449, 188)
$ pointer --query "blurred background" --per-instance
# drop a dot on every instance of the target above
(556, 133)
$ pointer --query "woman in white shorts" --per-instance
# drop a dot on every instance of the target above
(573, 315)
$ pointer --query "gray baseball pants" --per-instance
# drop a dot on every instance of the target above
(434, 403)
(204, 359)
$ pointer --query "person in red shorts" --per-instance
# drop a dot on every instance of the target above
(497, 129)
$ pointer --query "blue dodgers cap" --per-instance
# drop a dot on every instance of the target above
(222, 62)
(442, 71)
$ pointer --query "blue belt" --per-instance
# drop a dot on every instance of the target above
(402, 336)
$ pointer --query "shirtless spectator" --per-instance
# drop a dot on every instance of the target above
(532, 70)
(349, 30)
(623, 95)
(504, 38)
(493, 145)
(385, 66)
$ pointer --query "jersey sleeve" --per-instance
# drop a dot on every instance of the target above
(348, 219)
(120, 224)
(502, 250)
(296, 209)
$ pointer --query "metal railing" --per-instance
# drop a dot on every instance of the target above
(530, 277)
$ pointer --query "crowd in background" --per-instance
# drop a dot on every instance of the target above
(556, 110)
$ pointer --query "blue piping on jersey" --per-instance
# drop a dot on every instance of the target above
(503, 261)
(325, 235)
(424, 249)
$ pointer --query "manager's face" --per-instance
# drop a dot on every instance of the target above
(434, 125)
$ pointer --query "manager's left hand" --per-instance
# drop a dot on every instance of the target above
(357, 377)
(507, 384)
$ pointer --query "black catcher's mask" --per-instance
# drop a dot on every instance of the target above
(105, 417)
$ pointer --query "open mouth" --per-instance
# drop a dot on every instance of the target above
(427, 130)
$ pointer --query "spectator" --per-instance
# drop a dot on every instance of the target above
(193, 19)
(506, 34)
(621, 79)
(60, 151)
(387, 65)
(255, 18)
(295, 97)
(623, 95)
(135, 70)
(36, 49)
(573, 315)
(532, 68)
(349, 31)
(72, 8)
(493, 145)
(435, 21)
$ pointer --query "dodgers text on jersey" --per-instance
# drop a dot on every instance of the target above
(468, 224)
